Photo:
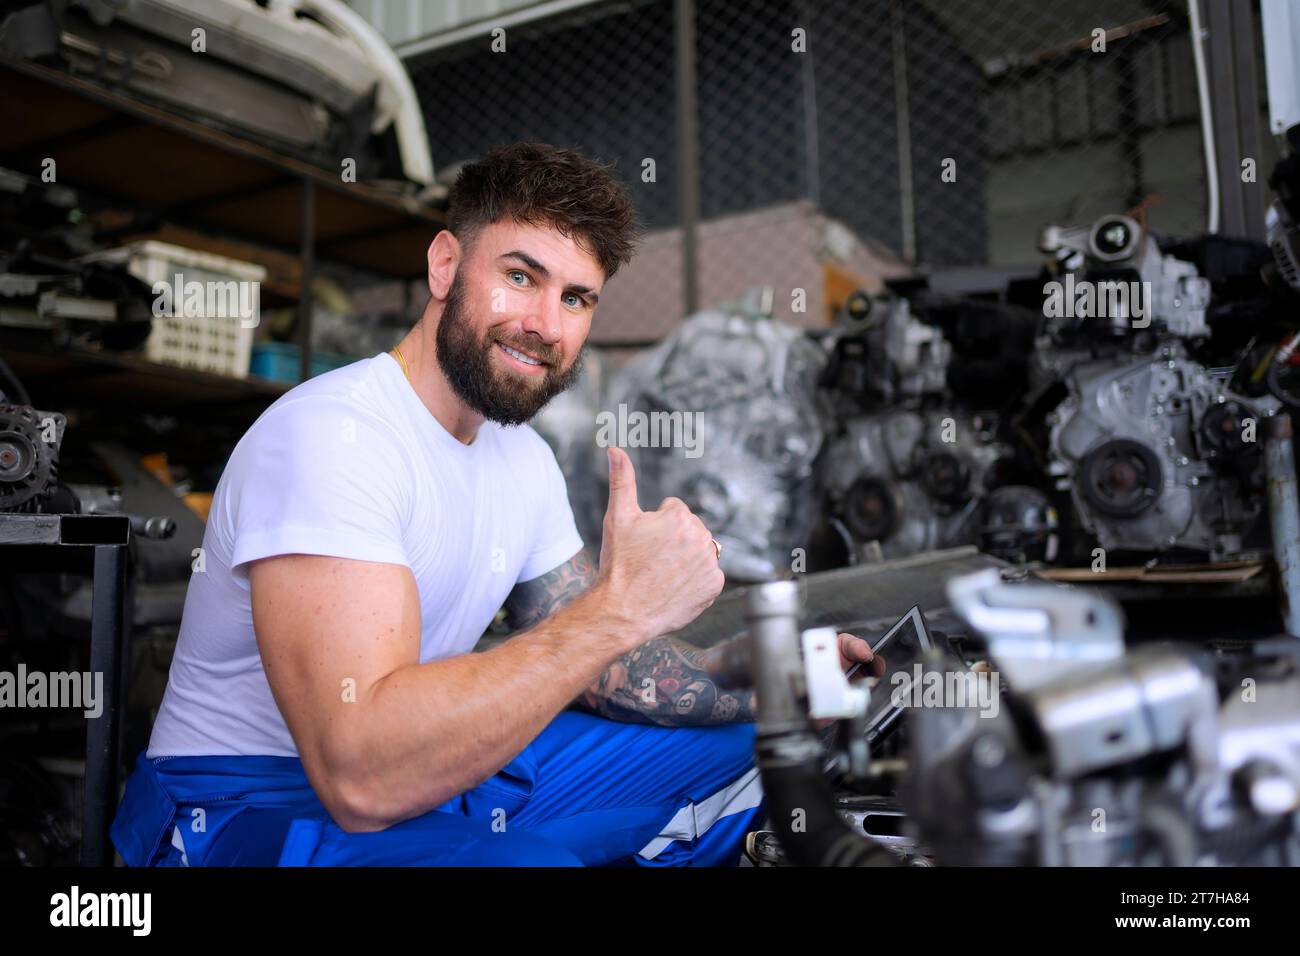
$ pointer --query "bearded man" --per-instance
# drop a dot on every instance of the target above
(324, 705)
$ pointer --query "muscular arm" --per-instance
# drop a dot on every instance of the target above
(664, 681)
(383, 737)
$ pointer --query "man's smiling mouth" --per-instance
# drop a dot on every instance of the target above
(520, 356)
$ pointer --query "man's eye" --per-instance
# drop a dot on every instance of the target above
(574, 300)
(515, 272)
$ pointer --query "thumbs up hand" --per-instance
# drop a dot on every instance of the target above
(659, 568)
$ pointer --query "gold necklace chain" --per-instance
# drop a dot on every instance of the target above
(405, 369)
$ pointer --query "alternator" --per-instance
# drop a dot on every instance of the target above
(29, 456)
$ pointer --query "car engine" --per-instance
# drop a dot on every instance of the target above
(1155, 448)
(907, 468)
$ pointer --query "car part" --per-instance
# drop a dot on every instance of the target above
(1019, 525)
(1155, 448)
(29, 456)
(1116, 250)
(789, 755)
(1104, 756)
(1145, 756)
(1284, 512)
(892, 479)
(309, 76)
(1157, 453)
(906, 470)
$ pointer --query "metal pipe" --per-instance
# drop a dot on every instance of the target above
(1207, 120)
(1284, 515)
(107, 637)
(902, 118)
(731, 665)
(812, 148)
(307, 259)
(688, 158)
(772, 611)
(398, 95)
(789, 756)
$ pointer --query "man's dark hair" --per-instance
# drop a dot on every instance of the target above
(540, 185)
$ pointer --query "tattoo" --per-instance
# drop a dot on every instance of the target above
(532, 601)
(664, 681)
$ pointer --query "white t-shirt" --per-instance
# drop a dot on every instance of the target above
(351, 464)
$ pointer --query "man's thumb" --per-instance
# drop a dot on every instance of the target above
(622, 484)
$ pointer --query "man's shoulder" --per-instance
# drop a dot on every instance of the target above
(343, 413)
(357, 384)
(330, 439)
(352, 394)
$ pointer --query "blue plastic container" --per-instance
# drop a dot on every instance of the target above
(279, 361)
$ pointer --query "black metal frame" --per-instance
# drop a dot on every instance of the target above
(100, 544)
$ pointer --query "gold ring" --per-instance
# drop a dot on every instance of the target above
(717, 548)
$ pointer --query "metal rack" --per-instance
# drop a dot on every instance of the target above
(123, 154)
(97, 545)
(146, 172)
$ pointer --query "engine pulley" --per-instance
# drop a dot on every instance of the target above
(1121, 478)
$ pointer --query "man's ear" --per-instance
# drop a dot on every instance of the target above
(443, 259)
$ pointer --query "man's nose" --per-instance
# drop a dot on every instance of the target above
(544, 321)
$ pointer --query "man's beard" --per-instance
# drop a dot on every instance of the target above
(466, 361)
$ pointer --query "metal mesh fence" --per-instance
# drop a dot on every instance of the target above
(840, 142)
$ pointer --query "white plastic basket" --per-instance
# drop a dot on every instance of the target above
(216, 334)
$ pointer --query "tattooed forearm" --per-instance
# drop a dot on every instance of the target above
(532, 601)
(666, 682)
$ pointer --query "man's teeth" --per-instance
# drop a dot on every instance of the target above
(519, 355)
